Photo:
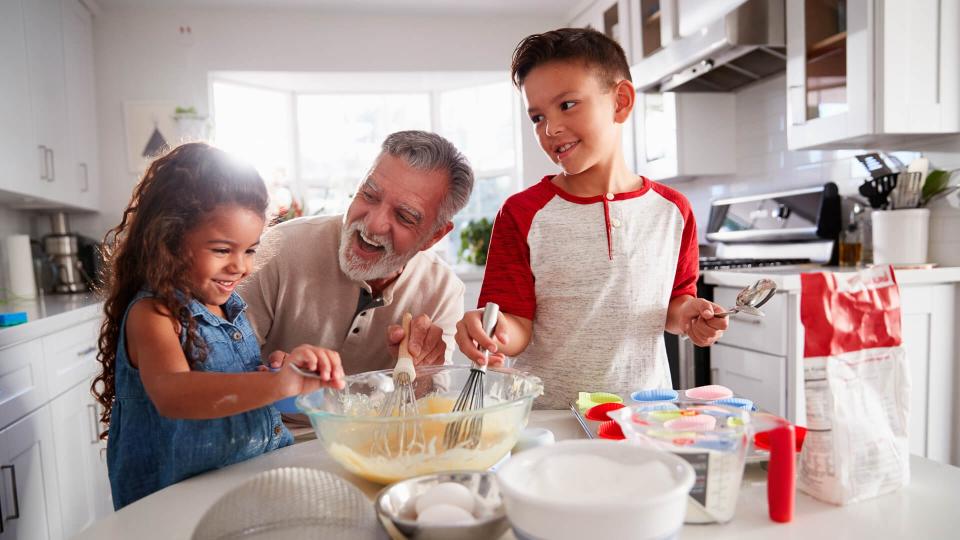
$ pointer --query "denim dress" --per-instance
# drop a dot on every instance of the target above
(147, 452)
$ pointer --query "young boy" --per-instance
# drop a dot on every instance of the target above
(591, 265)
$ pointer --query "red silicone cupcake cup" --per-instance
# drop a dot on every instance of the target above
(598, 413)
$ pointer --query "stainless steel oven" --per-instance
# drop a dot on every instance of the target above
(773, 229)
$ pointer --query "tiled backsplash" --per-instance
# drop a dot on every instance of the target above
(764, 164)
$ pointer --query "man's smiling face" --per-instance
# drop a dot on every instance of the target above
(392, 217)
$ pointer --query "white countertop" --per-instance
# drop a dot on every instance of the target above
(924, 509)
(48, 314)
(787, 278)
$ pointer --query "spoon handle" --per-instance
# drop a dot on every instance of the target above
(727, 313)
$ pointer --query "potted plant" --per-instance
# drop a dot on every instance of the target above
(474, 241)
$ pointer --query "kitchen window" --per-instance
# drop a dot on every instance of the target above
(314, 146)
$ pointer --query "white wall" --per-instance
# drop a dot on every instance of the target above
(765, 165)
(141, 55)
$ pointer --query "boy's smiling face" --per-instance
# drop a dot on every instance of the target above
(576, 116)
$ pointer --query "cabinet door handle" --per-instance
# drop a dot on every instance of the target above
(43, 162)
(95, 439)
(87, 351)
(16, 500)
(713, 375)
(84, 178)
(52, 175)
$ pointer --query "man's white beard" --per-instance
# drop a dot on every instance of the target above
(355, 268)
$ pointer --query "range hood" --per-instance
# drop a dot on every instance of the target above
(743, 46)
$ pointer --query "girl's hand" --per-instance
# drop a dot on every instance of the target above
(324, 362)
(472, 340)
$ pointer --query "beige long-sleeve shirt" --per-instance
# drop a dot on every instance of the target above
(300, 295)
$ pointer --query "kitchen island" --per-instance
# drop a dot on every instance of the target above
(924, 509)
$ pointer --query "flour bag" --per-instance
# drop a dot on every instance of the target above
(856, 384)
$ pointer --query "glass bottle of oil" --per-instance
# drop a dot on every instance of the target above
(851, 246)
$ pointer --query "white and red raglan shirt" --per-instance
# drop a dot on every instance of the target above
(595, 274)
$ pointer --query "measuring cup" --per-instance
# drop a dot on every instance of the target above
(715, 440)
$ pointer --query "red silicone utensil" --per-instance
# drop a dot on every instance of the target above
(762, 440)
(782, 474)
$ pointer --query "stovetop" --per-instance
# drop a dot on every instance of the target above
(718, 263)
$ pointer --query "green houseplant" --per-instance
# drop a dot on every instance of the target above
(474, 241)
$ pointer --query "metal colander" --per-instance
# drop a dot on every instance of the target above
(291, 503)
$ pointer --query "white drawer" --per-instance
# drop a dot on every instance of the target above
(22, 384)
(759, 377)
(70, 356)
(765, 334)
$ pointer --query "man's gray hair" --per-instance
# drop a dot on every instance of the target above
(426, 151)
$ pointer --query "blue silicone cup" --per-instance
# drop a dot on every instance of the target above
(740, 403)
(656, 394)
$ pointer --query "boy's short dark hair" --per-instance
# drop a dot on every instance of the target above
(585, 45)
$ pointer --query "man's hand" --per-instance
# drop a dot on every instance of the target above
(699, 323)
(426, 343)
(472, 340)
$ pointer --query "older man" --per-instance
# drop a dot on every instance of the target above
(344, 282)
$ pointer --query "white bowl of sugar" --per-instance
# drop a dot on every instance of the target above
(595, 489)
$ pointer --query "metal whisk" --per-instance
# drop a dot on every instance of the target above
(468, 431)
(404, 436)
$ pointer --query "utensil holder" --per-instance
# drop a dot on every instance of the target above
(900, 236)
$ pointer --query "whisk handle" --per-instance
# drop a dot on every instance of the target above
(404, 360)
(490, 314)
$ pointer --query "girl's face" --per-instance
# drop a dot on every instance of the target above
(222, 247)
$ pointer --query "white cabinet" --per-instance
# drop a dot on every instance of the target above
(18, 153)
(871, 73)
(757, 376)
(82, 471)
(928, 326)
(48, 97)
(49, 424)
(681, 135)
(29, 508)
(653, 24)
(611, 17)
(762, 359)
(48, 146)
(81, 177)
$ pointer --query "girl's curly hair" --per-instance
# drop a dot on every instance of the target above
(146, 250)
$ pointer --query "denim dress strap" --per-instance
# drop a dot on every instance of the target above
(147, 451)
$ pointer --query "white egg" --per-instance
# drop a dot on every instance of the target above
(445, 514)
(450, 493)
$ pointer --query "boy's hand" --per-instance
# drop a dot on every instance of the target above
(472, 340)
(426, 344)
(702, 327)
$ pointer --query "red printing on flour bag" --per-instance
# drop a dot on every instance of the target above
(856, 386)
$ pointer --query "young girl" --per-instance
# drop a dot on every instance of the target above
(182, 386)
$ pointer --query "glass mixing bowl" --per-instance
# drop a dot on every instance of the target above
(348, 424)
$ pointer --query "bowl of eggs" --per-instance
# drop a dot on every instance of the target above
(387, 448)
(451, 506)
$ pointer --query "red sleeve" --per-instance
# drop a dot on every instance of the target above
(688, 260)
(508, 279)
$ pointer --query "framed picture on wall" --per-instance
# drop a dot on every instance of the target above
(150, 130)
